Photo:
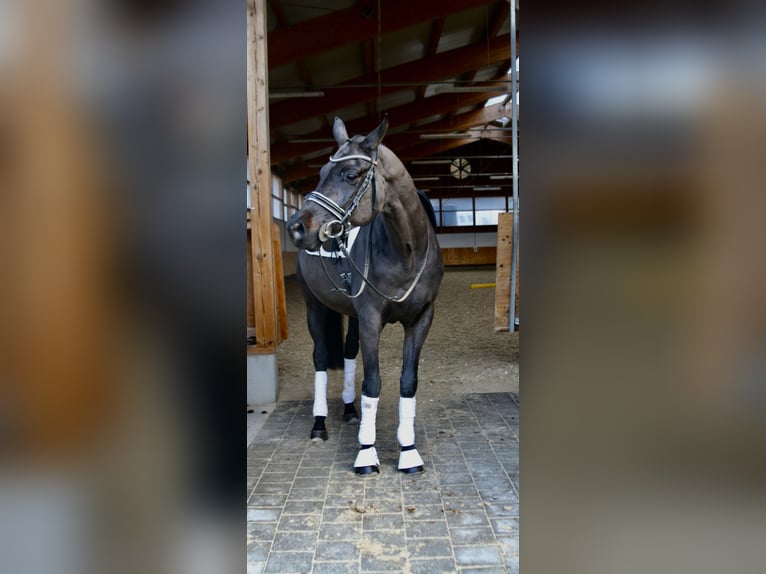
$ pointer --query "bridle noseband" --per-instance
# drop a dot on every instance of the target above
(340, 226)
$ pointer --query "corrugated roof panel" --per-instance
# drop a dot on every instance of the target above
(397, 99)
(336, 66)
(403, 46)
(299, 12)
(464, 28)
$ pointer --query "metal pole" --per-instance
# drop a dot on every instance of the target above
(515, 172)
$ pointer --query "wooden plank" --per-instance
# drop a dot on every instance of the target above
(455, 256)
(279, 278)
(262, 250)
(503, 271)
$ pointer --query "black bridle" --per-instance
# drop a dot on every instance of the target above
(339, 227)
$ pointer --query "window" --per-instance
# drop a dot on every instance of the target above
(276, 198)
(488, 208)
(437, 211)
(454, 214)
(457, 212)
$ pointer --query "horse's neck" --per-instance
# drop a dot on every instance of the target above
(401, 211)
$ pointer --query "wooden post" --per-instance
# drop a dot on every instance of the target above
(503, 273)
(262, 250)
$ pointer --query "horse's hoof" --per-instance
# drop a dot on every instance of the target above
(366, 470)
(409, 460)
(349, 413)
(317, 435)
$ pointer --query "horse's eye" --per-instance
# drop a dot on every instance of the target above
(349, 176)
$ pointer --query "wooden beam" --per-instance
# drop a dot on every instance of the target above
(262, 251)
(430, 69)
(433, 44)
(350, 26)
(401, 115)
(398, 142)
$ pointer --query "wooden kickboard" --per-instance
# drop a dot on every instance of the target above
(503, 273)
(279, 284)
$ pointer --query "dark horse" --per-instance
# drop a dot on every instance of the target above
(391, 273)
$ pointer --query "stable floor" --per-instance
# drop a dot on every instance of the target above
(308, 512)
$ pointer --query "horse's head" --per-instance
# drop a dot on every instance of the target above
(347, 194)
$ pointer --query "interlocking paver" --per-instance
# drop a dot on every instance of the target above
(308, 512)
(337, 550)
(433, 566)
(429, 547)
(287, 541)
(289, 562)
(478, 555)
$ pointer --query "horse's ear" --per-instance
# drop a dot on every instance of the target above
(373, 139)
(339, 131)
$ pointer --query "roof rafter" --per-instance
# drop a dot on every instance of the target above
(350, 26)
(363, 89)
(402, 141)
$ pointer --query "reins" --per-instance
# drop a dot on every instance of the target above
(338, 229)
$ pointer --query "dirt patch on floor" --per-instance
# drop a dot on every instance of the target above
(463, 353)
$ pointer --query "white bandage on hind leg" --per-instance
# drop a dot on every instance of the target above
(349, 378)
(406, 431)
(367, 426)
(320, 394)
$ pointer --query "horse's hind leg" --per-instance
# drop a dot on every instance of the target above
(349, 371)
(414, 337)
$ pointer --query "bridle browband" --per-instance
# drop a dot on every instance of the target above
(338, 229)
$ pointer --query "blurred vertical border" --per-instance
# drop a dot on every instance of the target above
(643, 349)
(122, 249)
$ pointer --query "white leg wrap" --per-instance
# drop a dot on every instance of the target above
(367, 426)
(406, 431)
(320, 394)
(409, 459)
(367, 457)
(349, 378)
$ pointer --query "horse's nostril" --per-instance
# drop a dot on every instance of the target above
(297, 231)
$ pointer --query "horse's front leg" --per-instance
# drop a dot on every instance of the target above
(370, 328)
(414, 337)
(350, 351)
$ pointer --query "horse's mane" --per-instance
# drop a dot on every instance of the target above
(426, 203)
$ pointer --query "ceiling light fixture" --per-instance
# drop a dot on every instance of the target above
(311, 140)
(452, 89)
(314, 94)
(445, 136)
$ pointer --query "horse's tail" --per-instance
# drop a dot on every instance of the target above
(334, 338)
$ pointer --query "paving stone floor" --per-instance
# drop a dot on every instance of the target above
(308, 512)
